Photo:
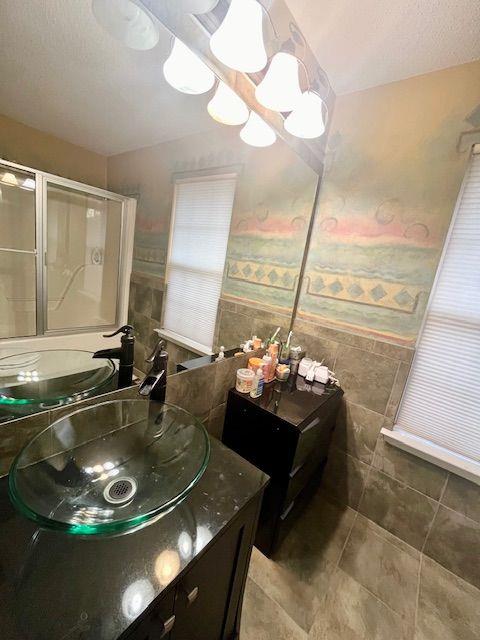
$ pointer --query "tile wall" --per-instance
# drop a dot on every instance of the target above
(432, 510)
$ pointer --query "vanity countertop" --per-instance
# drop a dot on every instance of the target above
(55, 586)
(294, 400)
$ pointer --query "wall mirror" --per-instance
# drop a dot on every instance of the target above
(122, 199)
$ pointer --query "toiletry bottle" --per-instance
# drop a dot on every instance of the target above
(258, 383)
(273, 353)
(267, 361)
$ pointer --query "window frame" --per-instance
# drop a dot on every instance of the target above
(427, 450)
(225, 173)
(127, 226)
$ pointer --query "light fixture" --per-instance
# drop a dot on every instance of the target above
(128, 22)
(238, 41)
(196, 7)
(29, 184)
(280, 88)
(257, 132)
(184, 71)
(307, 118)
(10, 179)
(226, 107)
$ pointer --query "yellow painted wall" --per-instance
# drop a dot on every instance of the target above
(392, 178)
(33, 148)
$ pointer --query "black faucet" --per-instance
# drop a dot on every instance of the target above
(154, 384)
(124, 354)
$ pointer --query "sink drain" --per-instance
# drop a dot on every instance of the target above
(120, 490)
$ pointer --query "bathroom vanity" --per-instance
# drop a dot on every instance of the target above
(181, 577)
(285, 433)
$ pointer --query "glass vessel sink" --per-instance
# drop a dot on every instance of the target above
(109, 467)
(42, 379)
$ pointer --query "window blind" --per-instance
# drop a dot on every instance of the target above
(198, 246)
(441, 403)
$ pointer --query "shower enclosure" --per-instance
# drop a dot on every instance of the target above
(65, 254)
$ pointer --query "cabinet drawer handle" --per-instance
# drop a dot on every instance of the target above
(287, 510)
(168, 626)
(312, 424)
(294, 472)
(192, 595)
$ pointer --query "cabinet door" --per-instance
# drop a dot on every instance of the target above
(158, 622)
(203, 596)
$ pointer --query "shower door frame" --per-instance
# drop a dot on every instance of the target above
(127, 225)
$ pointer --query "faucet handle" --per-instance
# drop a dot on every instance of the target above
(158, 347)
(127, 329)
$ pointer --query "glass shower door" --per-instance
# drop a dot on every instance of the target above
(83, 236)
(17, 253)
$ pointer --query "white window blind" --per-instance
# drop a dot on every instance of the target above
(198, 246)
(441, 403)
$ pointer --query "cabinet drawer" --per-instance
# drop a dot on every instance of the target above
(315, 435)
(261, 439)
(301, 475)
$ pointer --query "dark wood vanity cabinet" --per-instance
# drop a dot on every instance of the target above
(286, 433)
(205, 602)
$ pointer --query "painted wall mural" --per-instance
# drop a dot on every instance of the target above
(272, 208)
(394, 170)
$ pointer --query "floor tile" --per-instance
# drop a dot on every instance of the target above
(448, 607)
(263, 619)
(385, 565)
(298, 577)
(350, 612)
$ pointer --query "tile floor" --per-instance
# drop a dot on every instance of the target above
(339, 576)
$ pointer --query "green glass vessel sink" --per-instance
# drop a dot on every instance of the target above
(42, 379)
(109, 467)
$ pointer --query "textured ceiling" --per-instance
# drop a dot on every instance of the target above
(365, 43)
(60, 72)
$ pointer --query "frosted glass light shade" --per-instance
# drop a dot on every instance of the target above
(238, 41)
(126, 21)
(306, 119)
(226, 107)
(280, 88)
(184, 71)
(257, 132)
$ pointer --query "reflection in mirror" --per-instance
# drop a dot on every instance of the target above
(123, 200)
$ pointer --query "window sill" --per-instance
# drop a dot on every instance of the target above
(454, 462)
(186, 343)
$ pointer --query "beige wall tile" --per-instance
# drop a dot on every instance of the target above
(344, 478)
(404, 512)
(454, 542)
(216, 420)
(462, 496)
(448, 607)
(395, 351)
(397, 389)
(357, 430)
(412, 470)
(366, 378)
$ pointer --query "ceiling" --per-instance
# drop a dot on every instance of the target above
(63, 74)
(365, 43)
